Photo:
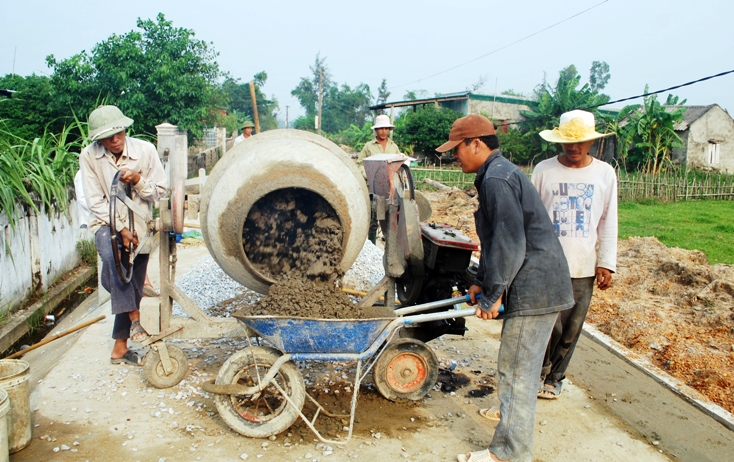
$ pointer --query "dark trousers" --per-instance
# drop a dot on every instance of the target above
(124, 298)
(567, 330)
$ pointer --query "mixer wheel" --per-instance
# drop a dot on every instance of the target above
(154, 372)
(266, 413)
(407, 369)
(409, 290)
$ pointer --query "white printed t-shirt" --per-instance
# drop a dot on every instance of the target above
(582, 204)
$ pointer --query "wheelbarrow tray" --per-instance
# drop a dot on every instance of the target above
(309, 335)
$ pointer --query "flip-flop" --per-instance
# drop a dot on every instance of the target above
(492, 414)
(130, 357)
(149, 291)
(476, 456)
(137, 333)
(550, 390)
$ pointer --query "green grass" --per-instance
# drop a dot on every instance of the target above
(695, 225)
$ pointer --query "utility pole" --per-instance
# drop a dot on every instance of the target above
(254, 106)
(14, 54)
(318, 120)
(286, 117)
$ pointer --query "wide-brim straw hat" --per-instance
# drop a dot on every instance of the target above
(574, 127)
(382, 121)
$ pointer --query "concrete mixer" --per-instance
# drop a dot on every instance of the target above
(288, 201)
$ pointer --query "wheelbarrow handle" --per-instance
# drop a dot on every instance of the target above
(439, 304)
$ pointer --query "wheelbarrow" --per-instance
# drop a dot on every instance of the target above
(260, 392)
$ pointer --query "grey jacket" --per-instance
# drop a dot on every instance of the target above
(521, 255)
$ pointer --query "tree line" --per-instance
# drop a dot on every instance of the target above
(159, 72)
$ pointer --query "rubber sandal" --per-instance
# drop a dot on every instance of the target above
(130, 357)
(477, 456)
(137, 333)
(492, 414)
(149, 291)
(550, 390)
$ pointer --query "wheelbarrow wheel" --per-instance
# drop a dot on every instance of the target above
(407, 369)
(266, 413)
(155, 373)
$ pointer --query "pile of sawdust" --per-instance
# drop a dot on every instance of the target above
(294, 231)
(671, 306)
(305, 298)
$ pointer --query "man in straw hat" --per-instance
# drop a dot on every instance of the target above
(580, 195)
(247, 127)
(382, 144)
(522, 267)
(138, 163)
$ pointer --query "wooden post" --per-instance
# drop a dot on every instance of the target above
(254, 106)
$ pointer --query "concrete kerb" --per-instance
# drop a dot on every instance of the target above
(685, 392)
(17, 327)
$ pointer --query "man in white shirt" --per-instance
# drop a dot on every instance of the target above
(580, 194)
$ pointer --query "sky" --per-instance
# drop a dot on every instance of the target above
(660, 43)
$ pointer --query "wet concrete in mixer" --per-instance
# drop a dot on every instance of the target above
(294, 231)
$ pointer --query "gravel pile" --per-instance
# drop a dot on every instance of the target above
(367, 271)
(214, 291)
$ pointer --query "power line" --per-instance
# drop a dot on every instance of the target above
(501, 48)
(666, 89)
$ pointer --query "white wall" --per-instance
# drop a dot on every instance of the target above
(717, 125)
(42, 248)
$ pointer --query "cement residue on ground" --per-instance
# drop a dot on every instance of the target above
(297, 297)
(294, 231)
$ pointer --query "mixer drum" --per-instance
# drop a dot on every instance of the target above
(258, 181)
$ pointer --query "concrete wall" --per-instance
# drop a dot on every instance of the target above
(40, 250)
(717, 125)
(502, 109)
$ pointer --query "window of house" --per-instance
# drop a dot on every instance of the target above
(713, 153)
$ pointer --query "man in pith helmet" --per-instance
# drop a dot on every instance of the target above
(247, 127)
(111, 151)
(381, 144)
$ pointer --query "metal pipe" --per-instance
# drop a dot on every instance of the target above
(431, 305)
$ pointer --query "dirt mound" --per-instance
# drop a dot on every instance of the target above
(455, 208)
(667, 304)
(671, 306)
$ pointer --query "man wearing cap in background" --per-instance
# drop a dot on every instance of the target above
(521, 266)
(247, 127)
(580, 195)
(138, 163)
(382, 144)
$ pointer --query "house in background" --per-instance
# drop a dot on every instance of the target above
(708, 138)
(501, 108)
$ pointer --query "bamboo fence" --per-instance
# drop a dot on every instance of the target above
(667, 187)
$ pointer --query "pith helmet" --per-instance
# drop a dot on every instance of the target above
(382, 121)
(106, 121)
(247, 123)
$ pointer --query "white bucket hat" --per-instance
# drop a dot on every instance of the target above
(382, 121)
(574, 127)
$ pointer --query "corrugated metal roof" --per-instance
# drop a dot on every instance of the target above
(692, 114)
